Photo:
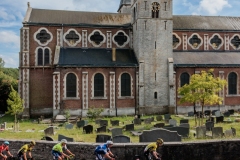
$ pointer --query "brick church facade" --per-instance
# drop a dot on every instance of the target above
(130, 62)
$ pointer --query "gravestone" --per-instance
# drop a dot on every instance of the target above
(167, 117)
(129, 127)
(3, 126)
(201, 132)
(183, 131)
(214, 111)
(228, 133)
(190, 114)
(49, 131)
(234, 131)
(121, 139)
(159, 125)
(136, 133)
(81, 123)
(173, 122)
(226, 114)
(207, 112)
(88, 129)
(60, 118)
(116, 132)
(209, 125)
(102, 138)
(101, 129)
(231, 111)
(210, 119)
(137, 121)
(218, 114)
(187, 125)
(166, 135)
(69, 139)
(199, 114)
(219, 119)
(183, 121)
(97, 121)
(217, 132)
(69, 126)
(159, 118)
(148, 121)
(103, 123)
(114, 122)
(47, 138)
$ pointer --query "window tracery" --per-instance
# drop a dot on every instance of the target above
(155, 9)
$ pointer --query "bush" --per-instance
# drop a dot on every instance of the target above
(93, 112)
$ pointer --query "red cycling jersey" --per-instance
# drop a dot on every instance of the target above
(3, 148)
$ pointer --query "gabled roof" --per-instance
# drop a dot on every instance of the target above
(206, 59)
(79, 57)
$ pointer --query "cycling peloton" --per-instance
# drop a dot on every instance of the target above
(152, 149)
(57, 150)
(22, 153)
(103, 152)
(5, 148)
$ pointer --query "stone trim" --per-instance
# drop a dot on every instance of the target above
(226, 39)
(198, 37)
(69, 44)
(216, 34)
(38, 31)
(180, 41)
(65, 87)
(56, 90)
(112, 90)
(184, 37)
(221, 93)
(128, 39)
(95, 45)
(84, 39)
(109, 39)
(232, 44)
(59, 37)
(119, 86)
(105, 87)
(85, 90)
(206, 39)
(25, 39)
(36, 55)
(25, 87)
(227, 89)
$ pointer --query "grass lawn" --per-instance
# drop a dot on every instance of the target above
(78, 135)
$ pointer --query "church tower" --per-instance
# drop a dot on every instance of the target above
(152, 26)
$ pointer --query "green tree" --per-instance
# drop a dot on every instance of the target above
(15, 105)
(2, 63)
(203, 88)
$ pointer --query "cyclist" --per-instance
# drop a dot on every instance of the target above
(152, 147)
(4, 147)
(103, 152)
(22, 153)
(57, 150)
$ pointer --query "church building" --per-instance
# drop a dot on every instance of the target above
(129, 62)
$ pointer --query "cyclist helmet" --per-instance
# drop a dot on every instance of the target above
(109, 143)
(32, 143)
(6, 143)
(64, 141)
(159, 141)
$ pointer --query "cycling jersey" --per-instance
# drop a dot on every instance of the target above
(102, 149)
(3, 148)
(25, 148)
(151, 147)
(59, 148)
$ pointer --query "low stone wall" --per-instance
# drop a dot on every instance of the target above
(203, 150)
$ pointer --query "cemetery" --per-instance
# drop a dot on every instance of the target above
(176, 130)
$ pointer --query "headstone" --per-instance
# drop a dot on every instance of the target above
(190, 114)
(210, 119)
(159, 125)
(226, 114)
(166, 135)
(121, 139)
(129, 127)
(214, 111)
(209, 126)
(217, 132)
(207, 112)
(199, 114)
(187, 125)
(103, 123)
(69, 139)
(219, 119)
(101, 129)
(114, 122)
(233, 131)
(173, 122)
(201, 132)
(88, 129)
(231, 111)
(60, 118)
(69, 126)
(47, 138)
(116, 132)
(136, 133)
(97, 121)
(167, 116)
(148, 121)
(81, 123)
(218, 114)
(3, 126)
(228, 133)
(49, 131)
(137, 121)
(183, 131)
(102, 138)
(159, 118)
(183, 121)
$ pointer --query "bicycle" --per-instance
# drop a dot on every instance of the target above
(66, 158)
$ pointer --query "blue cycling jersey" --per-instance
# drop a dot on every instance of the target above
(102, 149)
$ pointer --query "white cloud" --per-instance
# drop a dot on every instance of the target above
(212, 7)
(9, 38)
(11, 60)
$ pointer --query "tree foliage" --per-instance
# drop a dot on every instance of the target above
(203, 88)
(15, 105)
(2, 63)
(12, 72)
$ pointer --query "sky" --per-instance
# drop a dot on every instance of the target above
(12, 13)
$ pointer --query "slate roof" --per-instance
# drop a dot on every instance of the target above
(79, 57)
(206, 59)
(124, 2)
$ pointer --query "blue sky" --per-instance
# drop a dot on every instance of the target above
(12, 13)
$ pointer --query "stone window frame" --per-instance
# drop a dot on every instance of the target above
(198, 37)
(127, 42)
(36, 55)
(65, 86)
(69, 44)
(95, 45)
(220, 37)
(155, 12)
(119, 87)
(237, 93)
(232, 44)
(180, 78)
(180, 41)
(105, 86)
(38, 31)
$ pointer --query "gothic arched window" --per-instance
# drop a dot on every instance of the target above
(232, 83)
(98, 85)
(155, 9)
(40, 57)
(43, 57)
(46, 56)
(184, 79)
(125, 84)
(71, 85)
